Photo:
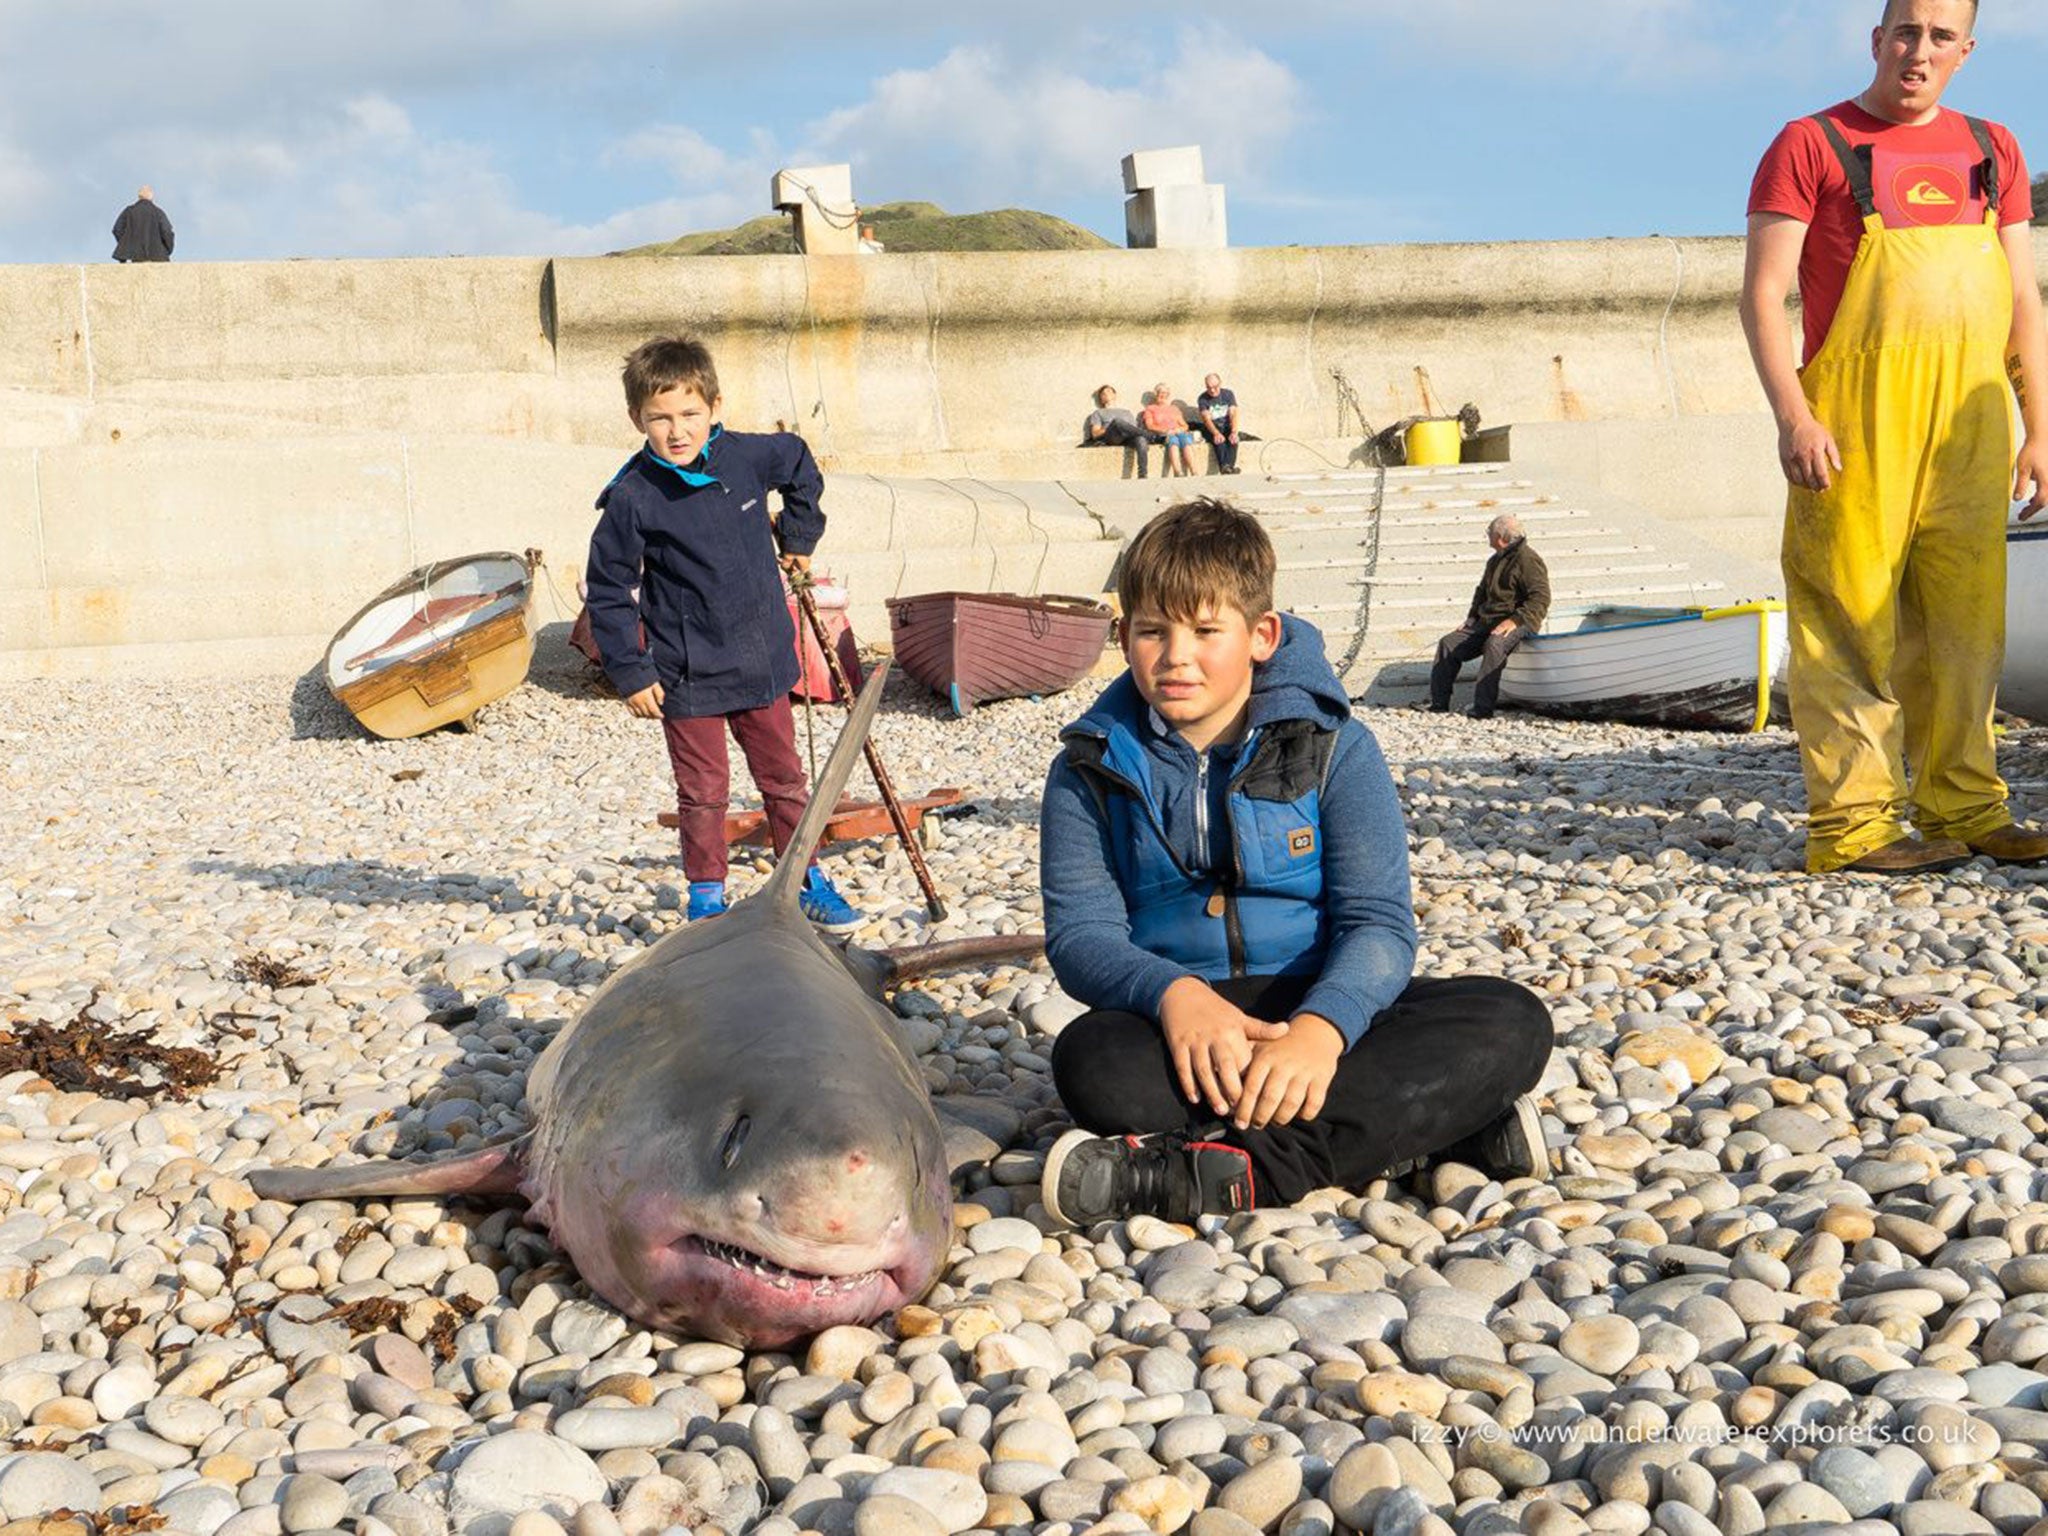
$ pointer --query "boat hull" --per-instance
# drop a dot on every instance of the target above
(2023, 683)
(402, 672)
(971, 647)
(1716, 669)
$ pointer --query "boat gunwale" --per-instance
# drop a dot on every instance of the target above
(1760, 608)
(412, 581)
(1078, 607)
(464, 646)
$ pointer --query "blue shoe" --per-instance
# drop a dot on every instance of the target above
(707, 898)
(823, 904)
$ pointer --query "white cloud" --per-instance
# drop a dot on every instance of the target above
(355, 171)
(988, 125)
(1652, 44)
(23, 185)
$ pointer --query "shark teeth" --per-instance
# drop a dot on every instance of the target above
(779, 1277)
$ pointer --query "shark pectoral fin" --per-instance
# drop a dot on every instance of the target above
(976, 1129)
(494, 1170)
(908, 961)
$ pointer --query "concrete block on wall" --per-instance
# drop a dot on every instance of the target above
(1176, 219)
(821, 196)
(796, 185)
(1148, 168)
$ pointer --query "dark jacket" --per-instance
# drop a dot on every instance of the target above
(1284, 854)
(1515, 585)
(718, 633)
(143, 232)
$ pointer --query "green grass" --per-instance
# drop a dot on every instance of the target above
(902, 227)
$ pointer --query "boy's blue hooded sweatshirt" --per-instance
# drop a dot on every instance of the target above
(1284, 854)
(710, 623)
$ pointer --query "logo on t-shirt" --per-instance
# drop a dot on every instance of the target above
(1929, 194)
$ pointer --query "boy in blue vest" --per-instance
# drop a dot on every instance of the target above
(1226, 885)
(707, 644)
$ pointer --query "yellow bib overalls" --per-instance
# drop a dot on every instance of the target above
(1895, 575)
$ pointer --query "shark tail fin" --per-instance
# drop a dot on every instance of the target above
(786, 884)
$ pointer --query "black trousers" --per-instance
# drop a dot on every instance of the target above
(1226, 453)
(1117, 434)
(1445, 1060)
(1459, 647)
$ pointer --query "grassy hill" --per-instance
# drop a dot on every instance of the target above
(2040, 201)
(899, 226)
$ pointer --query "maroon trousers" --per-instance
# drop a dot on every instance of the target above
(696, 751)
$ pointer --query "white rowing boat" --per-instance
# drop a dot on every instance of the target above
(2023, 684)
(1716, 669)
(436, 645)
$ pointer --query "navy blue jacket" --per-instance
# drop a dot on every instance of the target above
(1297, 829)
(718, 635)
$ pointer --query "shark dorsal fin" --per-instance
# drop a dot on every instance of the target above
(786, 884)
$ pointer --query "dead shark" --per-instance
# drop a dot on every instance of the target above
(732, 1140)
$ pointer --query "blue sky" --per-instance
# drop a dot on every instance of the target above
(532, 127)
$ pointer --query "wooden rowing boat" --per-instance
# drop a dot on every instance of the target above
(971, 647)
(436, 645)
(1716, 669)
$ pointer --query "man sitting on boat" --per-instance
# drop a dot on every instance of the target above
(1226, 886)
(1508, 606)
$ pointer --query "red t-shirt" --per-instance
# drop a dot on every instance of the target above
(1922, 175)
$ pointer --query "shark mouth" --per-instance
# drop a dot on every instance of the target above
(781, 1278)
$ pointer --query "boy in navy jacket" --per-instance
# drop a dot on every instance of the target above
(707, 643)
(1226, 885)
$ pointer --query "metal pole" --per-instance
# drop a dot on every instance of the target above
(937, 908)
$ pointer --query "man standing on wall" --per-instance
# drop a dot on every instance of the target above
(1906, 227)
(142, 231)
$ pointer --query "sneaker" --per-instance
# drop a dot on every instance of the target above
(707, 898)
(823, 904)
(1107, 1178)
(1513, 1146)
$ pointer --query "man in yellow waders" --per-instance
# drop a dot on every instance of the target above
(1906, 226)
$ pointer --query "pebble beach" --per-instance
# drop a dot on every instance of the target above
(1791, 1269)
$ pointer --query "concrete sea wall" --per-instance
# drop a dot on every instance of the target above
(211, 465)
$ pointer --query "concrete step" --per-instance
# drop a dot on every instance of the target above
(1397, 554)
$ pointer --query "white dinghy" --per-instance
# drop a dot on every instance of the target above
(1719, 669)
(2023, 684)
(436, 645)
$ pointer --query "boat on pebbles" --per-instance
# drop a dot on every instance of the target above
(2023, 684)
(1720, 669)
(436, 645)
(972, 647)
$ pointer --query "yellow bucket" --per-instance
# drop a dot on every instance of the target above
(1435, 440)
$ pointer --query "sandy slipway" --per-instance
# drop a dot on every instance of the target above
(1793, 1269)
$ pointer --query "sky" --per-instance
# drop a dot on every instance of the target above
(372, 128)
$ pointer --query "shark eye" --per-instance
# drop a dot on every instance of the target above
(734, 1140)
